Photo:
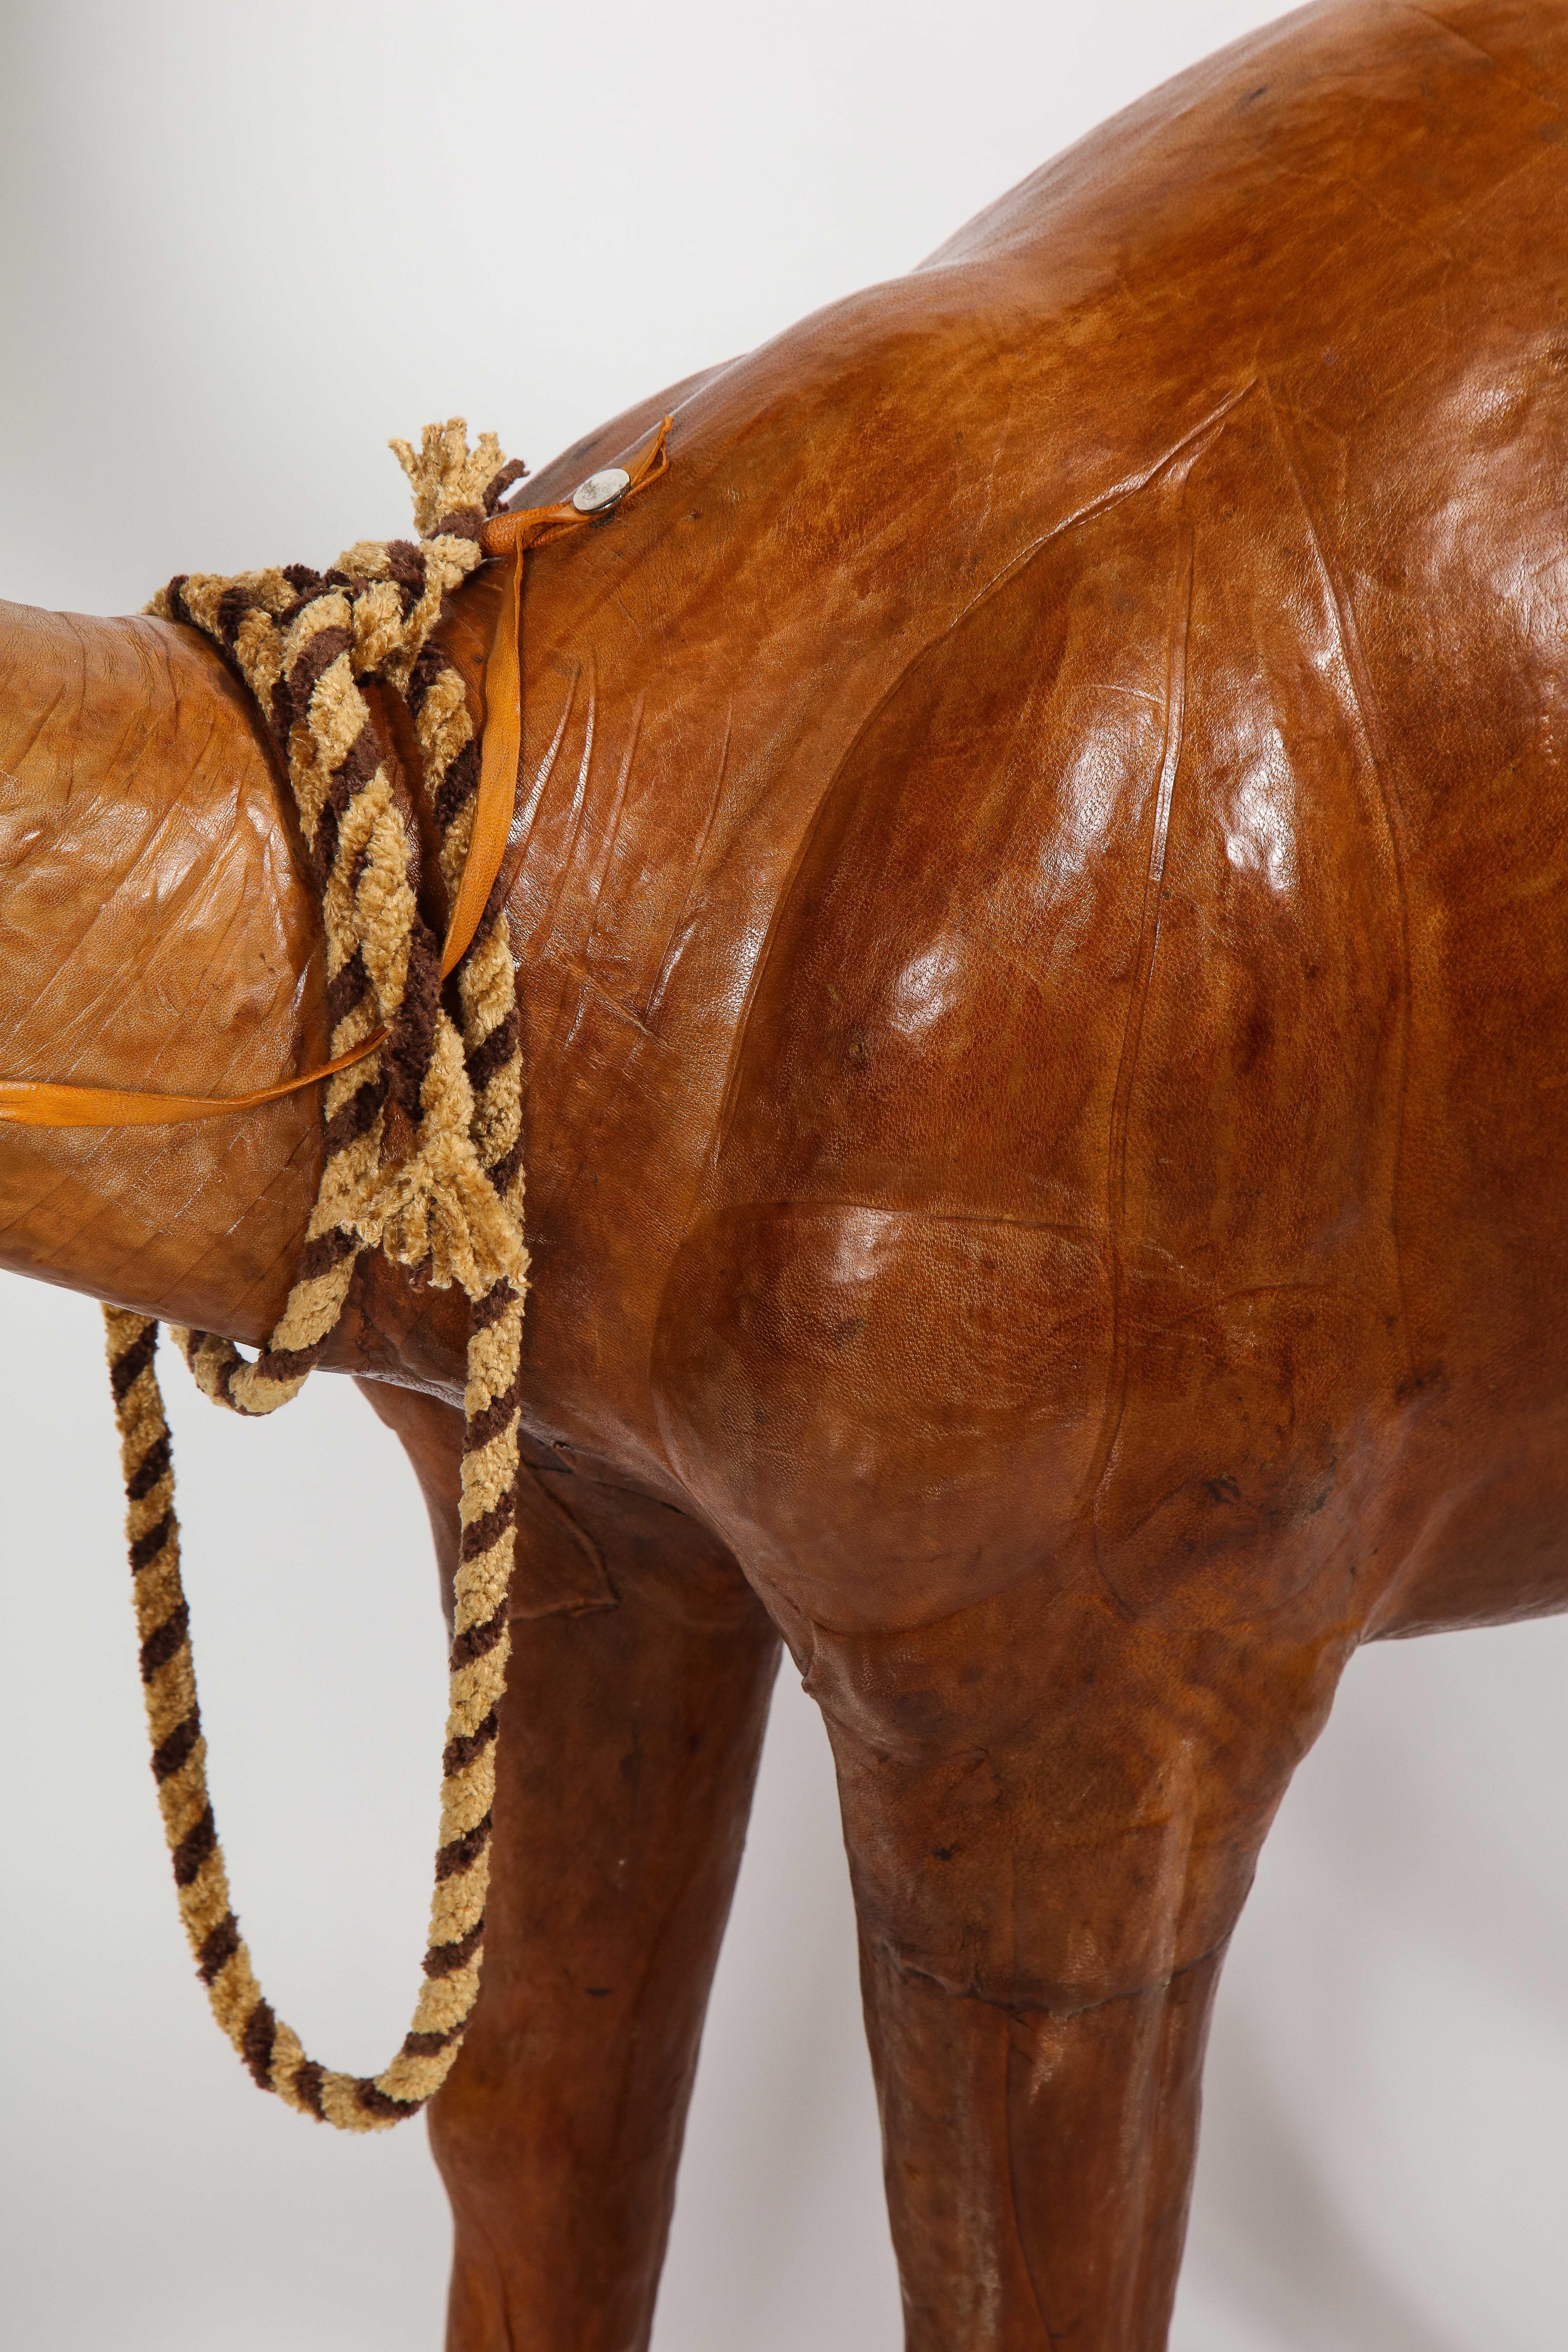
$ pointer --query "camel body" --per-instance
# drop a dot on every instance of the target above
(1042, 909)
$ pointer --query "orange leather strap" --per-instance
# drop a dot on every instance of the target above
(33, 1102)
(27, 1102)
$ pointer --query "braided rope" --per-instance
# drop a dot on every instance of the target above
(421, 1159)
(270, 2049)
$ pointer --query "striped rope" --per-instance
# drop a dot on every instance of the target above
(270, 2049)
(421, 1159)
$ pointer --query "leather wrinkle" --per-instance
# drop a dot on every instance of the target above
(1092, 509)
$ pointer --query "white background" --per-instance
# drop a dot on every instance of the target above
(238, 248)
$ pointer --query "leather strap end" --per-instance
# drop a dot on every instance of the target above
(27, 1102)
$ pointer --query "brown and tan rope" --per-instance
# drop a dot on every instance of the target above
(423, 1160)
(270, 2049)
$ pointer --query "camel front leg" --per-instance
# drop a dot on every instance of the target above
(630, 1738)
(637, 1698)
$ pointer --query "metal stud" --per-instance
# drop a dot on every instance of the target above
(601, 490)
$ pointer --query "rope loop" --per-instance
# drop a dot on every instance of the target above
(271, 2051)
(423, 1160)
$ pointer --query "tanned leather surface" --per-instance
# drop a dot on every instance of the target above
(1041, 886)
(32, 1102)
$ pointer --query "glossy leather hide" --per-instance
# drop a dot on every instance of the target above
(1041, 885)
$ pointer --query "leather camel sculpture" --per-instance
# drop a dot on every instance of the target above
(1040, 891)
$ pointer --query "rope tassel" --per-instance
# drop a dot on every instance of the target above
(272, 2051)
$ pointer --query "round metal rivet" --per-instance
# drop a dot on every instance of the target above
(601, 490)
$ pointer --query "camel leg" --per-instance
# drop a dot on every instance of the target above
(1052, 1820)
(637, 1698)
